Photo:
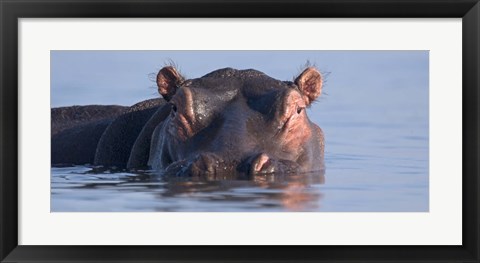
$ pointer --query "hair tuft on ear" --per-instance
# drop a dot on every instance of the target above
(309, 82)
(168, 81)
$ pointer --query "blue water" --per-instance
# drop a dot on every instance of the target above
(374, 113)
(374, 163)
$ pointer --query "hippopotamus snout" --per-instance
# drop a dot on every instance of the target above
(211, 164)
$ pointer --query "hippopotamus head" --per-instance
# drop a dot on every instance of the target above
(237, 121)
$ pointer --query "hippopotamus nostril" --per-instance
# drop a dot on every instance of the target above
(206, 164)
(262, 164)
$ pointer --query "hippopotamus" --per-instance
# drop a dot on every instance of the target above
(226, 122)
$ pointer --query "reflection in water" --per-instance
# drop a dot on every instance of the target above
(291, 191)
(83, 189)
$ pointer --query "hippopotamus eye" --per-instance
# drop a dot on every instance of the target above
(299, 109)
(174, 108)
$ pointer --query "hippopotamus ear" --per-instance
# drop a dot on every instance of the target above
(168, 80)
(310, 84)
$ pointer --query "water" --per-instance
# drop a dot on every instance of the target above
(106, 191)
(374, 113)
(79, 189)
(379, 165)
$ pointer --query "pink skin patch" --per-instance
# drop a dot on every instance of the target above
(262, 164)
(184, 117)
(295, 130)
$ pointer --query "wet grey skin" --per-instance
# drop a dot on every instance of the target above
(236, 122)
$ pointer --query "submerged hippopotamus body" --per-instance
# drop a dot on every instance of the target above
(226, 122)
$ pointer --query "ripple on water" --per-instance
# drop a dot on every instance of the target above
(362, 186)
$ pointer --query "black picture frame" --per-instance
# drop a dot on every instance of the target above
(11, 10)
